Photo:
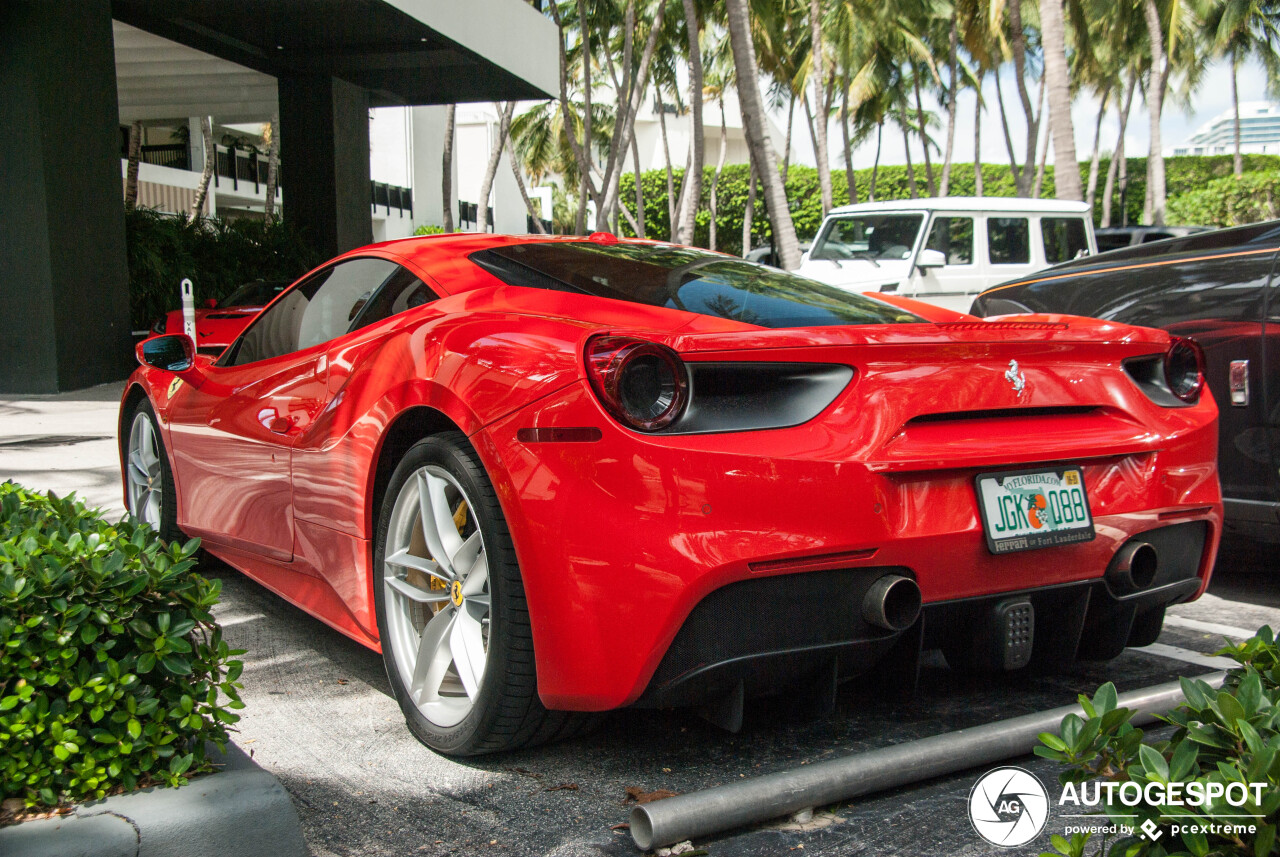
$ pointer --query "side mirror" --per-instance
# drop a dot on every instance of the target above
(211, 303)
(931, 259)
(174, 352)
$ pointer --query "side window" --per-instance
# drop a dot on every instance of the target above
(953, 237)
(401, 292)
(316, 310)
(1064, 238)
(1008, 240)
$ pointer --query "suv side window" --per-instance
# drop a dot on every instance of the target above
(1064, 238)
(318, 309)
(953, 237)
(1008, 240)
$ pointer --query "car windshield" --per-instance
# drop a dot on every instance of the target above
(257, 293)
(872, 237)
(686, 279)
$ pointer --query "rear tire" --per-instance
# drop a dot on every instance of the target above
(452, 616)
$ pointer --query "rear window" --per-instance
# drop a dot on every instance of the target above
(685, 278)
(1064, 238)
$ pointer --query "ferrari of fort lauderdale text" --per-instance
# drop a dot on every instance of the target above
(556, 475)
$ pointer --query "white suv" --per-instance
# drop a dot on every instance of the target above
(945, 250)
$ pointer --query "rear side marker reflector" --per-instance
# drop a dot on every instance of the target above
(589, 434)
(805, 562)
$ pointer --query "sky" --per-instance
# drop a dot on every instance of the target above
(389, 136)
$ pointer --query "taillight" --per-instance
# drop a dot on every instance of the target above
(642, 384)
(1184, 368)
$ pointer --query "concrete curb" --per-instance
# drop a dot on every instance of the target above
(241, 810)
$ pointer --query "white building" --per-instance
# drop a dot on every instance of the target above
(1259, 132)
(680, 131)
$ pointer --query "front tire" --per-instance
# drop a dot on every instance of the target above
(452, 617)
(152, 497)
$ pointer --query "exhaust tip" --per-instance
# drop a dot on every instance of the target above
(892, 603)
(1134, 567)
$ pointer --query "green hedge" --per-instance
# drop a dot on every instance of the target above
(113, 673)
(1184, 175)
(1230, 201)
(218, 255)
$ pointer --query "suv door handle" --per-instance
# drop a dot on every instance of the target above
(1238, 375)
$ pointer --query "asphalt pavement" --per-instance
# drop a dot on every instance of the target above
(319, 715)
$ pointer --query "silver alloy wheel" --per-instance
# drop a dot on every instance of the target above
(145, 475)
(436, 595)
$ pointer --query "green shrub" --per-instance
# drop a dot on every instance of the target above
(111, 664)
(1222, 737)
(217, 255)
(429, 229)
(1230, 201)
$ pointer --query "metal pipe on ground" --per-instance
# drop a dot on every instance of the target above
(720, 808)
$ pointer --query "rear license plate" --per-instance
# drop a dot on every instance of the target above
(1025, 509)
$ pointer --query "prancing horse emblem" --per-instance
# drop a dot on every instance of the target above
(1016, 378)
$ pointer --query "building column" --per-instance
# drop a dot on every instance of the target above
(324, 149)
(64, 280)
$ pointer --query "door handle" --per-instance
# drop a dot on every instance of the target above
(1238, 375)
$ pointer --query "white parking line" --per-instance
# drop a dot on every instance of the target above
(1208, 627)
(1187, 656)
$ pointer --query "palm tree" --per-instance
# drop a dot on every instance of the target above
(1053, 34)
(718, 79)
(753, 123)
(691, 187)
(820, 102)
(273, 166)
(446, 183)
(491, 168)
(1237, 30)
(210, 158)
(131, 173)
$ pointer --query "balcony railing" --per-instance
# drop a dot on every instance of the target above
(239, 165)
(391, 196)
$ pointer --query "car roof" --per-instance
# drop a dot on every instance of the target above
(969, 203)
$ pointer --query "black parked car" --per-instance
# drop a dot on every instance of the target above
(1115, 237)
(1221, 288)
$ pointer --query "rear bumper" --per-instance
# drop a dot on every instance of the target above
(624, 542)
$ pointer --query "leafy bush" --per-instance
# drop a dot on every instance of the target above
(218, 255)
(111, 664)
(1222, 737)
(428, 229)
(1230, 201)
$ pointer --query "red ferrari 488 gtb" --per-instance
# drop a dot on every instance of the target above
(548, 476)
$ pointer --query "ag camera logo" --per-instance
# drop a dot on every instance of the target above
(1008, 807)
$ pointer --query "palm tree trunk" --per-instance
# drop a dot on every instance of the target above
(749, 212)
(875, 167)
(820, 100)
(671, 184)
(1117, 156)
(446, 183)
(786, 149)
(924, 138)
(977, 135)
(1155, 109)
(1018, 44)
(635, 159)
(911, 170)
(691, 187)
(524, 193)
(851, 181)
(1091, 191)
(1043, 157)
(273, 168)
(753, 121)
(953, 43)
(491, 168)
(1066, 164)
(210, 159)
(715, 181)
(1015, 169)
(135, 155)
(1237, 162)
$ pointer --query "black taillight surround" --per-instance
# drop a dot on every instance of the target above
(716, 396)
